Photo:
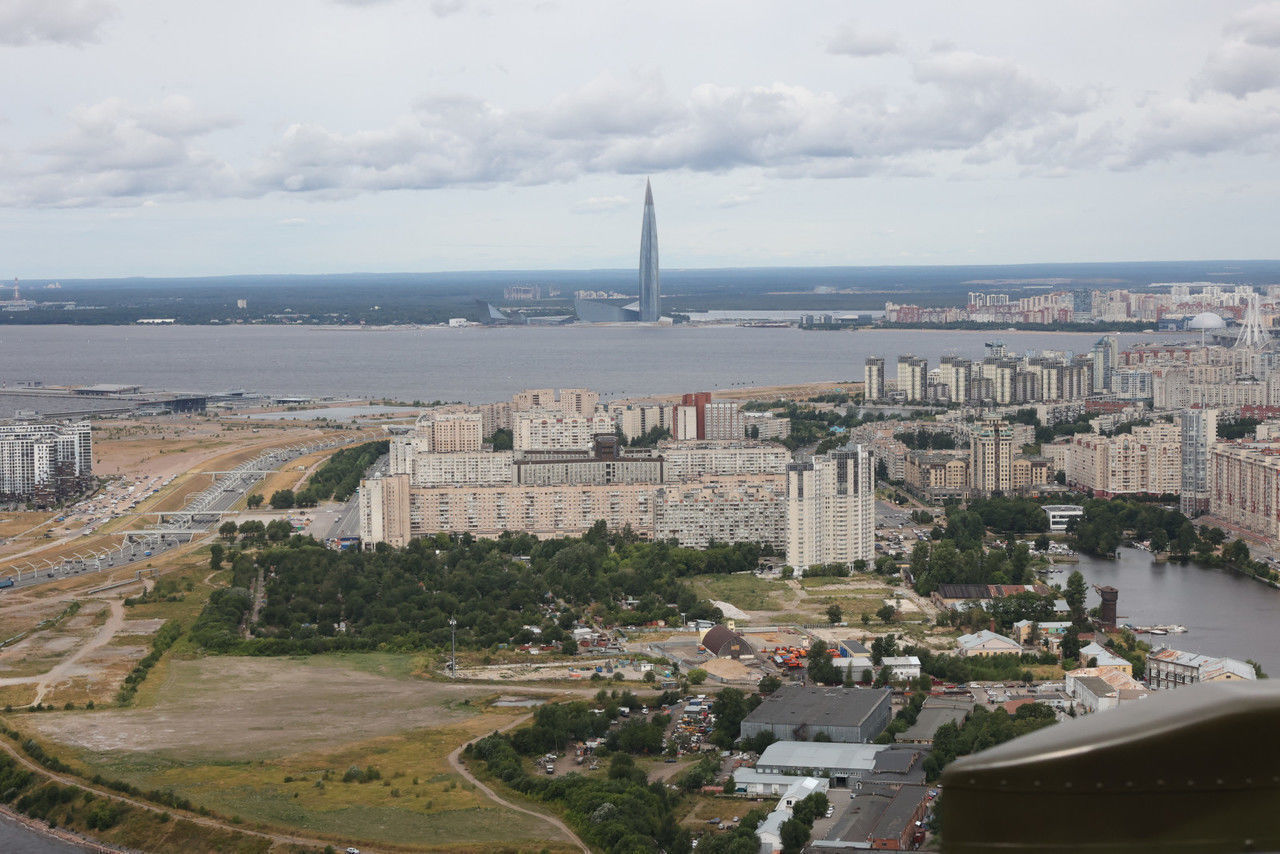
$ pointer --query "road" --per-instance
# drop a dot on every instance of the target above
(198, 515)
(456, 762)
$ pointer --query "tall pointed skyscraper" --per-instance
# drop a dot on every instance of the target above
(650, 301)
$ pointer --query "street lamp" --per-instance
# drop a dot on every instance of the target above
(453, 648)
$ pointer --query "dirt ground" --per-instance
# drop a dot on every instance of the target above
(245, 708)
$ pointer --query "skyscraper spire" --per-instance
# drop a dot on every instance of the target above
(650, 299)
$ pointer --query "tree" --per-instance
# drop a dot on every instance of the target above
(1075, 594)
(866, 619)
(794, 834)
(769, 683)
(282, 499)
(884, 677)
(215, 556)
(697, 676)
(1159, 540)
(569, 647)
(1071, 643)
(278, 529)
(867, 675)
(254, 501)
(821, 668)
(227, 530)
(650, 677)
(834, 614)
(1042, 543)
(886, 613)
(501, 439)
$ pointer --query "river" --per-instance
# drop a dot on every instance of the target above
(16, 838)
(1225, 613)
(478, 364)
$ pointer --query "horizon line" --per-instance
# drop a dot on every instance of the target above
(544, 270)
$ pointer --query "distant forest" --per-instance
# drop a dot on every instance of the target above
(396, 298)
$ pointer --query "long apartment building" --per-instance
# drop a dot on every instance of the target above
(44, 461)
(831, 509)
(1146, 461)
(728, 491)
(723, 511)
(1244, 487)
(692, 460)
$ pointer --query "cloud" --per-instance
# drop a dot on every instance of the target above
(1258, 25)
(601, 204)
(1242, 68)
(849, 40)
(117, 152)
(439, 8)
(69, 22)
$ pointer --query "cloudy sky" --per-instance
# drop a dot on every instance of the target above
(148, 137)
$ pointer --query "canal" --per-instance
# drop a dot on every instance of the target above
(1225, 613)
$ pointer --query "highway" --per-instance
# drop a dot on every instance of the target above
(200, 513)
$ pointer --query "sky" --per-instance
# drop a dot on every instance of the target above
(154, 138)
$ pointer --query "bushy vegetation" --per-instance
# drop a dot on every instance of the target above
(621, 812)
(943, 562)
(983, 729)
(166, 637)
(924, 439)
(318, 599)
(339, 477)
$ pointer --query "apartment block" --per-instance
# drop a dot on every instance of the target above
(831, 509)
(766, 425)
(722, 511)
(1244, 487)
(605, 463)
(572, 401)
(1148, 460)
(384, 511)
(991, 452)
(549, 430)
(44, 462)
(684, 461)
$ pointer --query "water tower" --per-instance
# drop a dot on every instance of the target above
(1107, 611)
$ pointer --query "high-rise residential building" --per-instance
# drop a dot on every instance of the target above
(873, 379)
(723, 421)
(1146, 461)
(953, 372)
(543, 430)
(650, 290)
(384, 511)
(697, 402)
(831, 509)
(766, 425)
(448, 432)
(44, 462)
(1106, 356)
(1244, 485)
(991, 452)
(637, 419)
(913, 376)
(1199, 435)
(576, 401)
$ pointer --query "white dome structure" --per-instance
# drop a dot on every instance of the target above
(1206, 320)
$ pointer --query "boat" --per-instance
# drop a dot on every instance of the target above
(1170, 629)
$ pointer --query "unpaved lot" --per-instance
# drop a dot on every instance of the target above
(242, 708)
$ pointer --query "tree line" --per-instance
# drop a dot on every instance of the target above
(499, 591)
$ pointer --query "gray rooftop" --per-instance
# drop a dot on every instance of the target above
(817, 706)
(936, 712)
(820, 755)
